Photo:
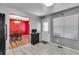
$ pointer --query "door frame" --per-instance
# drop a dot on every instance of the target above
(2, 15)
(49, 28)
(29, 41)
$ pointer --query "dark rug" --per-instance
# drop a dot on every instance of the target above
(44, 42)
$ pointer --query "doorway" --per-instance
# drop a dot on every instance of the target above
(46, 29)
(19, 33)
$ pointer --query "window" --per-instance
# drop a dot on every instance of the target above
(66, 27)
(45, 26)
(58, 27)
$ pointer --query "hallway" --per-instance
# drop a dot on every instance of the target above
(41, 49)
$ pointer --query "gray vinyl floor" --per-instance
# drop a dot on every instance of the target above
(40, 49)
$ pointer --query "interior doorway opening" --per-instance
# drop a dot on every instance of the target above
(19, 33)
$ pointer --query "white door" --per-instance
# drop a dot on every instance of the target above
(46, 30)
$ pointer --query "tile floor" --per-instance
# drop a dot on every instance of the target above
(41, 49)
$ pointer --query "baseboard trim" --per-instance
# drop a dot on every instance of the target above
(66, 47)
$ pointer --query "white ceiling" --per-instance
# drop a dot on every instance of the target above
(38, 9)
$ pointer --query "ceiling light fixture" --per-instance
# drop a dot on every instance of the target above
(48, 4)
(16, 21)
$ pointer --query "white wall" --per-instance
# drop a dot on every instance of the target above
(34, 20)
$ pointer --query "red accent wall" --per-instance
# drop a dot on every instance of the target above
(23, 26)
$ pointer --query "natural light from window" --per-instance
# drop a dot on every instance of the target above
(45, 26)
